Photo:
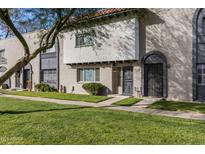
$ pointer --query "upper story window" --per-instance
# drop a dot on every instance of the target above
(2, 57)
(2, 69)
(84, 39)
(88, 74)
(2, 53)
(51, 50)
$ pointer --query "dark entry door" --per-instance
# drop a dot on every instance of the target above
(17, 79)
(127, 81)
(154, 80)
(26, 78)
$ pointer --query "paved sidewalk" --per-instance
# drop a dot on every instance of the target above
(80, 103)
(178, 114)
(109, 102)
(140, 108)
(145, 102)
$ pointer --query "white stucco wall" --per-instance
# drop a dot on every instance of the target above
(114, 41)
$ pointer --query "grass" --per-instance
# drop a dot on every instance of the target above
(178, 106)
(127, 101)
(30, 122)
(56, 95)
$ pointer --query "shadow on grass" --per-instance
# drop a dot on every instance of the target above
(48, 110)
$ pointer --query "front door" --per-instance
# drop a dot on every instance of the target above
(154, 80)
(26, 78)
(128, 81)
(17, 79)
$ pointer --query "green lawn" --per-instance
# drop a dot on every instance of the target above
(56, 95)
(127, 101)
(29, 122)
(178, 106)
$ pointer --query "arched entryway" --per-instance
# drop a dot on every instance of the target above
(23, 77)
(2, 70)
(154, 74)
(199, 55)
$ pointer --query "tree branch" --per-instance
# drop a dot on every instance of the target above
(50, 41)
(4, 15)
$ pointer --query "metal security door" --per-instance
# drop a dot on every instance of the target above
(128, 81)
(154, 80)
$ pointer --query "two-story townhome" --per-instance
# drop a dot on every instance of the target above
(107, 51)
(135, 52)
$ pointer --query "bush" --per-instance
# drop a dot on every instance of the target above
(93, 88)
(43, 87)
(5, 86)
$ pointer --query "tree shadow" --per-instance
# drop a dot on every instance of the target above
(41, 110)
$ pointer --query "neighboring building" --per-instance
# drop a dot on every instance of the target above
(13, 51)
(43, 68)
(136, 52)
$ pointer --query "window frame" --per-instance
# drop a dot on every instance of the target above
(83, 75)
(46, 51)
(203, 25)
(82, 36)
(48, 73)
(202, 74)
(2, 51)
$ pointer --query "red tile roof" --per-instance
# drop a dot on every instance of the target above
(103, 12)
(109, 11)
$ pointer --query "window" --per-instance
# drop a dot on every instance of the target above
(49, 76)
(51, 50)
(83, 40)
(88, 74)
(203, 25)
(201, 74)
(2, 53)
(2, 69)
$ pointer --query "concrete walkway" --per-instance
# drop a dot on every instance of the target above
(138, 108)
(145, 102)
(80, 103)
(177, 114)
(109, 102)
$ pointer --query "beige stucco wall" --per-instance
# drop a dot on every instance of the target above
(73, 86)
(173, 37)
(14, 51)
(68, 75)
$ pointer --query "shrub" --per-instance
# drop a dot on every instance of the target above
(5, 86)
(93, 88)
(43, 87)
